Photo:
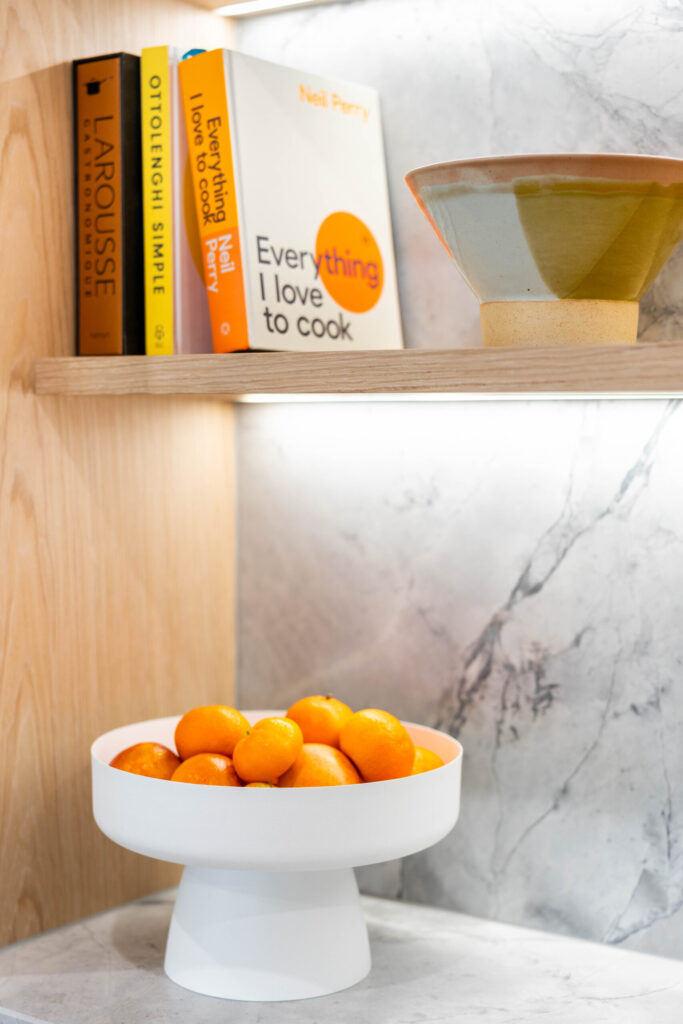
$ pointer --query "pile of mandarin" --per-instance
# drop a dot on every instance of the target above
(320, 742)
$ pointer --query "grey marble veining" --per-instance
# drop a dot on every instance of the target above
(511, 572)
(429, 967)
(485, 77)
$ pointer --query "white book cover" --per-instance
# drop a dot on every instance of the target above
(290, 183)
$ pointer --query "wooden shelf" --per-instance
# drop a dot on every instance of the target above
(638, 369)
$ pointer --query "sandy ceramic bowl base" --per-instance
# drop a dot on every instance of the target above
(256, 935)
(558, 322)
(268, 905)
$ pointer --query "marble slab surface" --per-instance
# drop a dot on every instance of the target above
(488, 77)
(429, 967)
(513, 573)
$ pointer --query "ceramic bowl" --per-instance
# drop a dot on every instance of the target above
(268, 905)
(557, 248)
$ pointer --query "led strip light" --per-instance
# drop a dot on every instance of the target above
(246, 7)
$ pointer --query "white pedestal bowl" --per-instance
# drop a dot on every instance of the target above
(268, 905)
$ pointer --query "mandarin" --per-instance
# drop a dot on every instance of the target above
(268, 750)
(319, 764)
(213, 729)
(320, 718)
(425, 760)
(378, 744)
(260, 785)
(207, 770)
(152, 759)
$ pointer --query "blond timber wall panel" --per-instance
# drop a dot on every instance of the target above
(116, 516)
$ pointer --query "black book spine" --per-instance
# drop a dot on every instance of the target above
(133, 265)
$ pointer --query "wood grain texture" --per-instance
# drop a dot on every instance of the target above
(655, 369)
(116, 517)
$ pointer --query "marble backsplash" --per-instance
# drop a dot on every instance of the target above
(463, 78)
(512, 572)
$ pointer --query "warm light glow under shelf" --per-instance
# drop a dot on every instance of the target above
(246, 7)
(458, 396)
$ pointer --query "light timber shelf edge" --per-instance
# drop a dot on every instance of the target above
(620, 370)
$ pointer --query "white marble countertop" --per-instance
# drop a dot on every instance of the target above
(429, 967)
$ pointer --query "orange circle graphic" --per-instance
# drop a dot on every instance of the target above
(350, 262)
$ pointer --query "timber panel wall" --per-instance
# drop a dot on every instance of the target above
(116, 515)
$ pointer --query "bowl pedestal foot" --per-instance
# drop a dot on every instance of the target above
(264, 936)
(553, 322)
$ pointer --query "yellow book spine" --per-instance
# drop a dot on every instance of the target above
(203, 85)
(157, 183)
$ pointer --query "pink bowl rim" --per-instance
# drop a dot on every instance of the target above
(492, 170)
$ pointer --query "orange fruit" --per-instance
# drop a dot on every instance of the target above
(320, 718)
(214, 729)
(268, 750)
(318, 764)
(207, 770)
(152, 759)
(425, 760)
(260, 785)
(378, 744)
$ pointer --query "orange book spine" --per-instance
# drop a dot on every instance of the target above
(110, 294)
(207, 120)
